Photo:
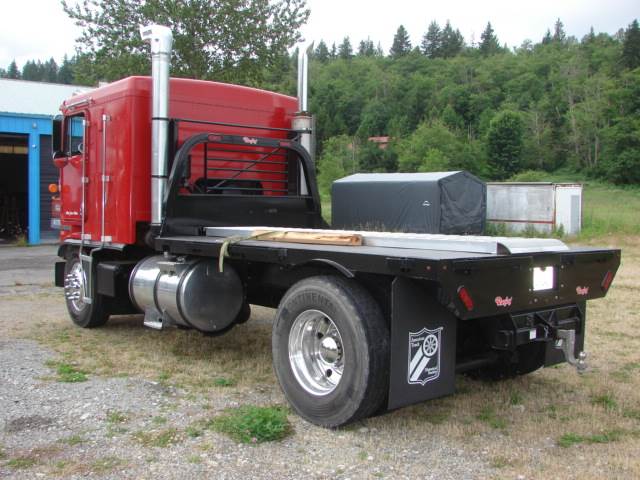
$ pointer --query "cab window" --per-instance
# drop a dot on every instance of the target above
(74, 135)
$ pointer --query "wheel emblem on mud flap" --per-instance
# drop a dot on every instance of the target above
(424, 356)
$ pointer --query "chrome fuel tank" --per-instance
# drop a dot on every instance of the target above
(186, 291)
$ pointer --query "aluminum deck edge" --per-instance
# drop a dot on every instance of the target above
(421, 241)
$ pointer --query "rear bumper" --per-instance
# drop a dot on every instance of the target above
(505, 285)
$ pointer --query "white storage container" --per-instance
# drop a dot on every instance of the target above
(543, 206)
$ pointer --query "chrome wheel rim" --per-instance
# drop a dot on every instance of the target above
(316, 352)
(74, 288)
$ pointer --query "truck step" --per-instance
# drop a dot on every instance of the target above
(155, 324)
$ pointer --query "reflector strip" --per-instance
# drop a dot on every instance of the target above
(465, 298)
(606, 281)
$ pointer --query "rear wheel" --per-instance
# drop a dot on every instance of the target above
(331, 351)
(83, 314)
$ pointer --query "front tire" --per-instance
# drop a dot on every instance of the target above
(331, 351)
(83, 314)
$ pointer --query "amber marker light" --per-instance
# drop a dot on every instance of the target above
(53, 188)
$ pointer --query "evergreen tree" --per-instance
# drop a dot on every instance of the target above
(590, 37)
(379, 50)
(321, 52)
(631, 46)
(32, 71)
(559, 35)
(504, 143)
(432, 41)
(489, 44)
(12, 71)
(50, 71)
(345, 51)
(65, 74)
(401, 43)
(452, 41)
(547, 39)
(366, 48)
(334, 51)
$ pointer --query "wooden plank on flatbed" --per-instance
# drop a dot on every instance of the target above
(316, 238)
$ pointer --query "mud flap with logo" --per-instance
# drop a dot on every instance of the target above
(423, 345)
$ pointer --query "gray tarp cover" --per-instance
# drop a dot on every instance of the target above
(436, 202)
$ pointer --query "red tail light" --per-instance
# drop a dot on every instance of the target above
(465, 298)
(606, 281)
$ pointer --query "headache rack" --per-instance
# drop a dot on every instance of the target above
(221, 179)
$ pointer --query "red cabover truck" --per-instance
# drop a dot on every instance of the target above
(188, 201)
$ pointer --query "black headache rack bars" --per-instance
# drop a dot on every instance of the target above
(240, 180)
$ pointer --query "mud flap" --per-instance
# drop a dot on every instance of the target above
(423, 345)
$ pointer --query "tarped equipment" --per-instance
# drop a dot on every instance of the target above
(435, 202)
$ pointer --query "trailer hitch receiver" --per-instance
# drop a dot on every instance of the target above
(566, 340)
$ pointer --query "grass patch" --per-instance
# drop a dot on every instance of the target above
(106, 464)
(2, 454)
(115, 417)
(161, 439)
(569, 439)
(250, 424)
(20, 463)
(159, 420)
(634, 414)
(436, 418)
(500, 462)
(73, 440)
(67, 373)
(606, 401)
(489, 416)
(515, 398)
(223, 382)
(194, 431)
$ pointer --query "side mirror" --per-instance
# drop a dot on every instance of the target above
(59, 159)
(56, 137)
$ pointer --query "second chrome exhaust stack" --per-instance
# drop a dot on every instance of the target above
(303, 121)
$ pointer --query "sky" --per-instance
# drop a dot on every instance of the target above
(39, 29)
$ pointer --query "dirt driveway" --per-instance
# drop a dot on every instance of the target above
(142, 399)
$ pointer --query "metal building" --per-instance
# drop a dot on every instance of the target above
(26, 111)
(543, 206)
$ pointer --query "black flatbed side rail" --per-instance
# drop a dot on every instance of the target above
(497, 284)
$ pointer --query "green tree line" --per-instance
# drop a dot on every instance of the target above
(495, 111)
(444, 103)
(47, 71)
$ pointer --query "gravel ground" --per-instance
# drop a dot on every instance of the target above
(93, 429)
(69, 430)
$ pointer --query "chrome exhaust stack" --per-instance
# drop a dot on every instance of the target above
(303, 122)
(161, 40)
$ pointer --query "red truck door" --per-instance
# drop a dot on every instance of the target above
(72, 164)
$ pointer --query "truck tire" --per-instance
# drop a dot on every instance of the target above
(85, 315)
(331, 351)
